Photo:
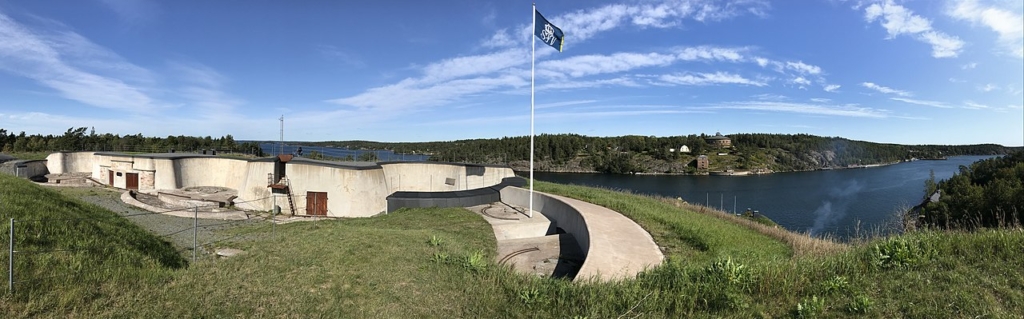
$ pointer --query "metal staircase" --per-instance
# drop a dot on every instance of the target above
(283, 184)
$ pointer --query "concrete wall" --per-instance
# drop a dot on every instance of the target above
(561, 215)
(253, 193)
(24, 169)
(71, 162)
(210, 171)
(350, 192)
(441, 177)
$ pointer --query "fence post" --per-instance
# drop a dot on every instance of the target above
(195, 232)
(10, 262)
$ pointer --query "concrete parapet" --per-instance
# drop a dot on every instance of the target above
(614, 246)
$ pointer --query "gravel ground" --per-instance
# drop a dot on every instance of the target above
(212, 234)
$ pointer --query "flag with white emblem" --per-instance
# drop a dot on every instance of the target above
(547, 32)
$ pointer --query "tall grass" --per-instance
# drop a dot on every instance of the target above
(429, 263)
(72, 254)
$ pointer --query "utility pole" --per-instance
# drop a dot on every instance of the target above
(280, 144)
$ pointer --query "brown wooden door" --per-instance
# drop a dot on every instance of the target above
(316, 203)
(132, 181)
(111, 179)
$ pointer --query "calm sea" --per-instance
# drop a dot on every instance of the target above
(832, 202)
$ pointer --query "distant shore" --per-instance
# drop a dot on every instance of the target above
(725, 173)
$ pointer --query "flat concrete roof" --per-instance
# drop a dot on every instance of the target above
(158, 155)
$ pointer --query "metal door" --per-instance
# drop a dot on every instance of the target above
(316, 203)
(132, 181)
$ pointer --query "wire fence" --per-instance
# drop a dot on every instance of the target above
(45, 251)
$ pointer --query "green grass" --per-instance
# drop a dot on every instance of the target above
(685, 235)
(94, 254)
(428, 263)
(29, 155)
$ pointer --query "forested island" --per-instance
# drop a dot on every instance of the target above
(747, 153)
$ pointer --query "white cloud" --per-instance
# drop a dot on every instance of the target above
(803, 68)
(563, 103)
(988, 87)
(1008, 24)
(409, 93)
(821, 100)
(583, 65)
(708, 79)
(974, 106)
(801, 81)
(474, 65)
(71, 65)
(710, 53)
(501, 39)
(589, 84)
(832, 87)
(898, 20)
(770, 97)
(969, 66)
(922, 102)
(801, 108)
(885, 90)
(1016, 107)
(583, 24)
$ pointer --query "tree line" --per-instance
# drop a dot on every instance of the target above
(78, 139)
(625, 154)
(988, 193)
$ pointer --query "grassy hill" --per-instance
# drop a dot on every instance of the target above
(439, 263)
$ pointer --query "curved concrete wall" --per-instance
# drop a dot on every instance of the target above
(71, 162)
(353, 190)
(441, 177)
(615, 247)
(563, 215)
(350, 192)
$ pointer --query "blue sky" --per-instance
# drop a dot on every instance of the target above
(909, 72)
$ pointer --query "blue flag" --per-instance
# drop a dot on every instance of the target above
(547, 32)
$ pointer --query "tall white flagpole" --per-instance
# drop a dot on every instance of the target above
(533, 61)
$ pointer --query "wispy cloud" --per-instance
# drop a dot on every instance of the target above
(847, 110)
(134, 11)
(969, 66)
(583, 65)
(886, 90)
(821, 100)
(988, 87)
(204, 92)
(339, 55)
(72, 65)
(708, 79)
(563, 103)
(770, 97)
(1008, 24)
(922, 102)
(583, 24)
(802, 67)
(898, 20)
(832, 87)
(974, 106)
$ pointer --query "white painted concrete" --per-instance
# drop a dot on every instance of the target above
(352, 190)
